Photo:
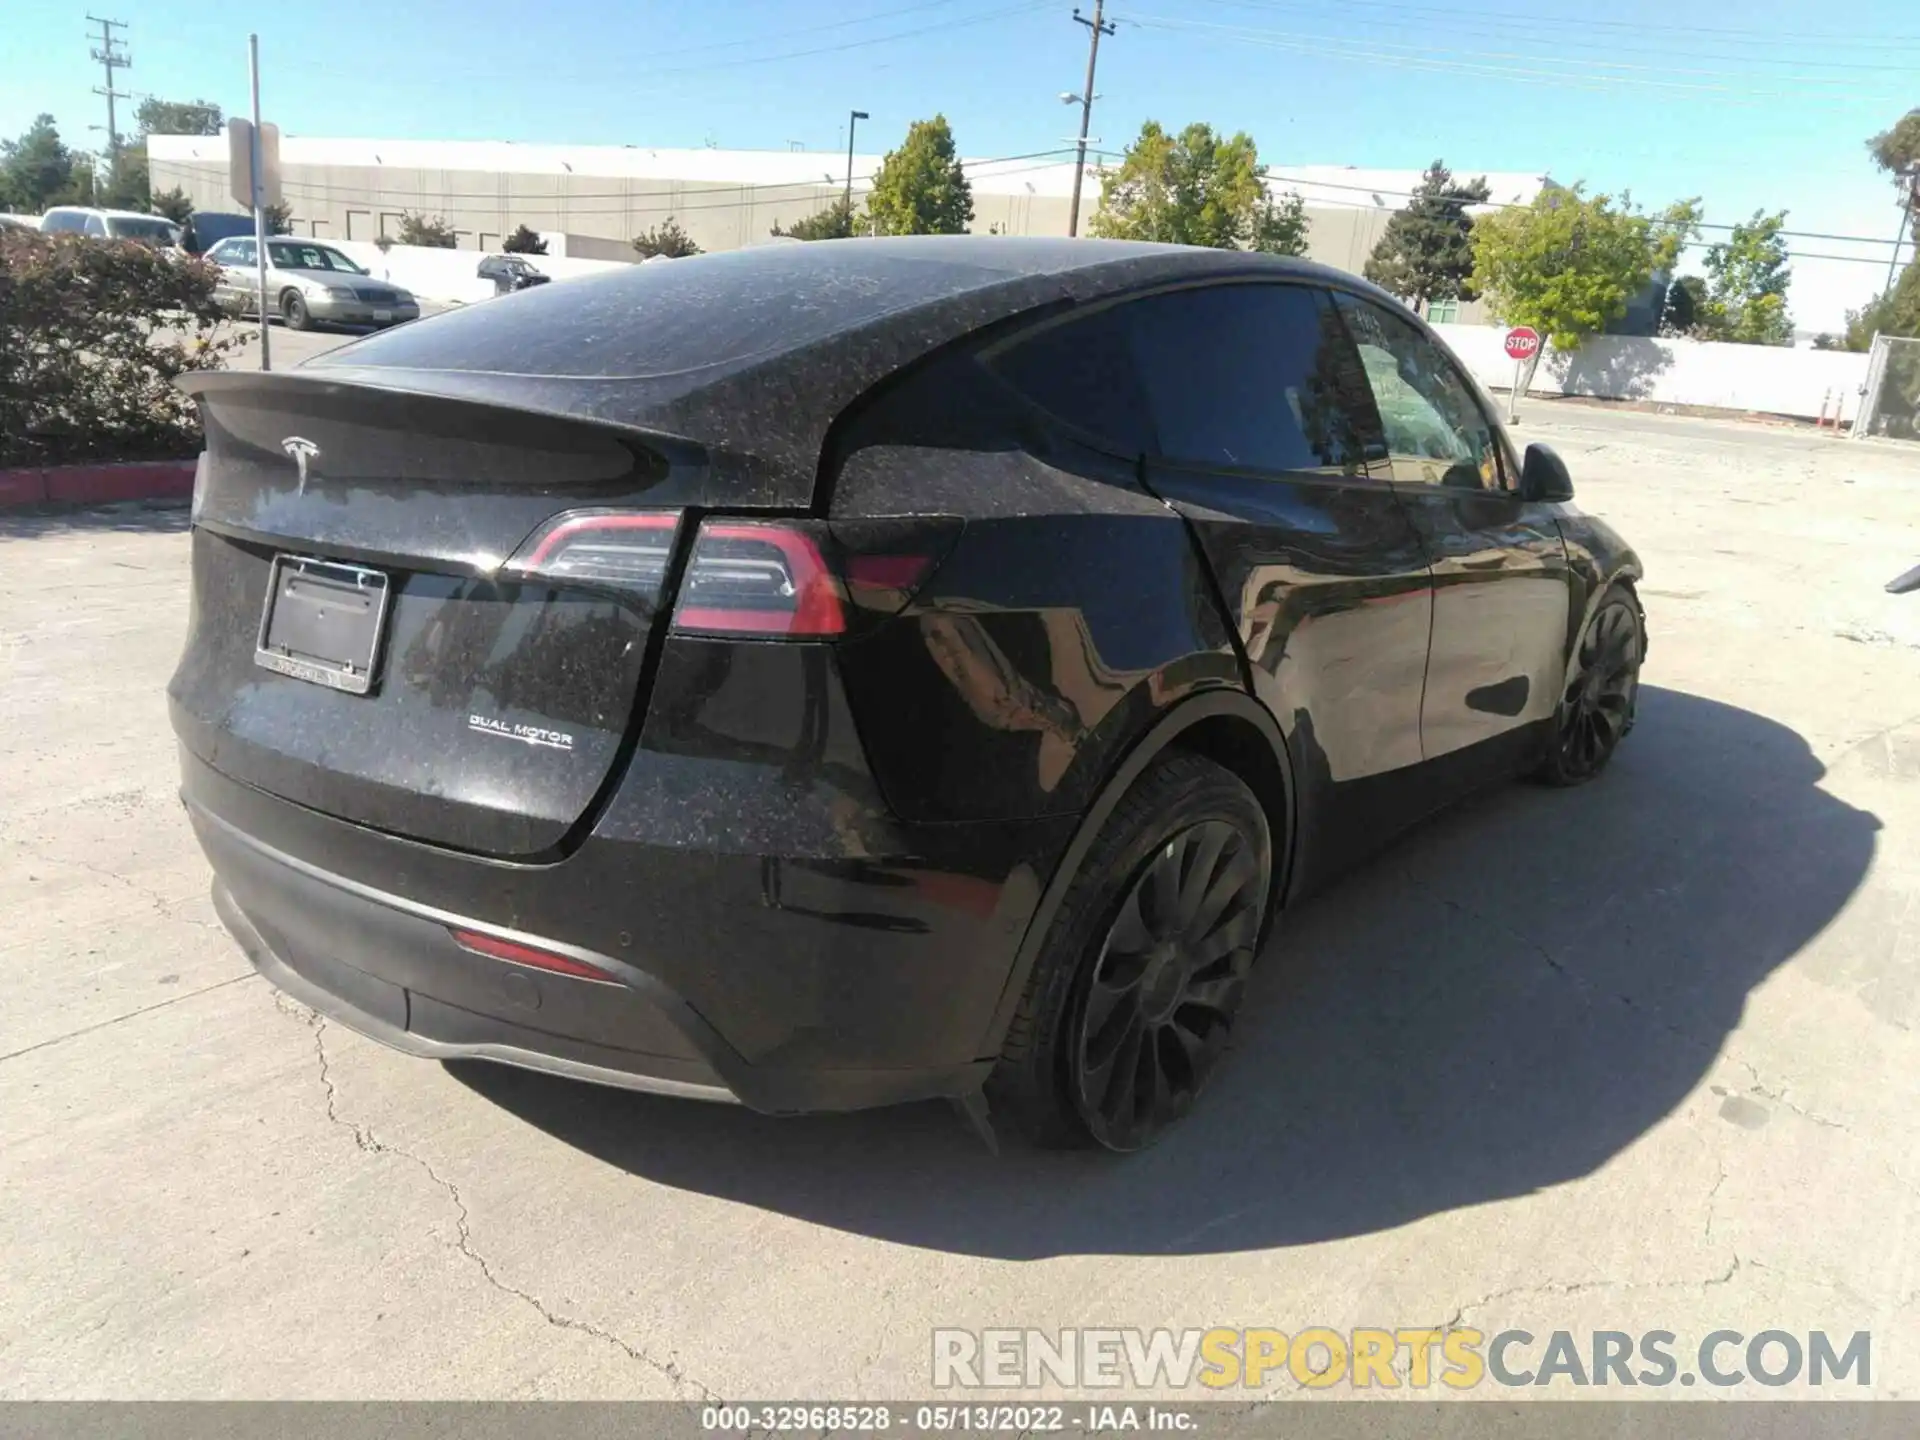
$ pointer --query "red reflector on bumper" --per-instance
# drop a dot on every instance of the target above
(516, 954)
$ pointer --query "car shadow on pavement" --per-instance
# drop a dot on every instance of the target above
(130, 518)
(1502, 1001)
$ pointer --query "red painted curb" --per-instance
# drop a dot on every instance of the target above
(97, 484)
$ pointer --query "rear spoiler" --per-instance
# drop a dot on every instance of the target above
(455, 427)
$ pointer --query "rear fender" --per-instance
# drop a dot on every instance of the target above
(1184, 720)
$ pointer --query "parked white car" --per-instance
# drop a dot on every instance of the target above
(110, 225)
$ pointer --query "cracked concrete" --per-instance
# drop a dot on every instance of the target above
(365, 1139)
(1637, 1056)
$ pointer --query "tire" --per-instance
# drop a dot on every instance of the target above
(1597, 707)
(1133, 995)
(293, 310)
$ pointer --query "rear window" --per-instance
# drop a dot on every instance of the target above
(674, 319)
(123, 227)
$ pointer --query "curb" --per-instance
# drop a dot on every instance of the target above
(97, 484)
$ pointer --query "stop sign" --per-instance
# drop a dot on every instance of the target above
(1522, 341)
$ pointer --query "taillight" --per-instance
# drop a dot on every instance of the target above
(759, 578)
(764, 579)
(515, 953)
(607, 547)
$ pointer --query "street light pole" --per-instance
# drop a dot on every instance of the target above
(259, 205)
(853, 118)
(1096, 27)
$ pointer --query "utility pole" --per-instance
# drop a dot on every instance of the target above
(1907, 212)
(1096, 27)
(853, 118)
(112, 58)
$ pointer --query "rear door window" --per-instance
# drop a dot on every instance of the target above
(1253, 377)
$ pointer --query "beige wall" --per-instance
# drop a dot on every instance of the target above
(600, 214)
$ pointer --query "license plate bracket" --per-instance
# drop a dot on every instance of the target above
(383, 314)
(323, 622)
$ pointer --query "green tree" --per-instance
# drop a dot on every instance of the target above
(1895, 313)
(920, 189)
(179, 117)
(833, 223)
(432, 231)
(1426, 253)
(1686, 302)
(1568, 264)
(173, 204)
(36, 170)
(666, 238)
(1747, 296)
(1280, 225)
(280, 219)
(523, 242)
(1197, 188)
(1896, 150)
(127, 185)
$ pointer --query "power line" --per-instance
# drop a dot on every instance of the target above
(1598, 81)
(1510, 19)
(1298, 180)
(633, 200)
(630, 202)
(629, 71)
(1571, 60)
(1509, 205)
(320, 188)
(801, 30)
(1579, 41)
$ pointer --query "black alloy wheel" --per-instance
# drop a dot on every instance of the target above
(1168, 981)
(1603, 683)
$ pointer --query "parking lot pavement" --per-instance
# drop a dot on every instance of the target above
(289, 347)
(1635, 1056)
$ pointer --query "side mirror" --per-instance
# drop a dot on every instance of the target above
(1544, 475)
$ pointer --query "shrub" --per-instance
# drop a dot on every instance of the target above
(429, 230)
(523, 242)
(668, 239)
(92, 336)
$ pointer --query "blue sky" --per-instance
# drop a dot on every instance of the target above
(1765, 104)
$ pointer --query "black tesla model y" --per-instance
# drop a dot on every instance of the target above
(827, 675)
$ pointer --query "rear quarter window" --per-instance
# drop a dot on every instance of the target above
(1081, 370)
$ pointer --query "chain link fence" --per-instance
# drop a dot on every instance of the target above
(1890, 400)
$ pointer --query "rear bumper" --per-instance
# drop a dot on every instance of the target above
(785, 985)
(395, 974)
(385, 1012)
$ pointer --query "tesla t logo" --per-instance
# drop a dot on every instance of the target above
(302, 452)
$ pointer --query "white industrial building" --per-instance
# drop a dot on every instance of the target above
(591, 200)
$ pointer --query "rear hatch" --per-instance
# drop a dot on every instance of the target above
(443, 658)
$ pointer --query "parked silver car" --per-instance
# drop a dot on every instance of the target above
(308, 282)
